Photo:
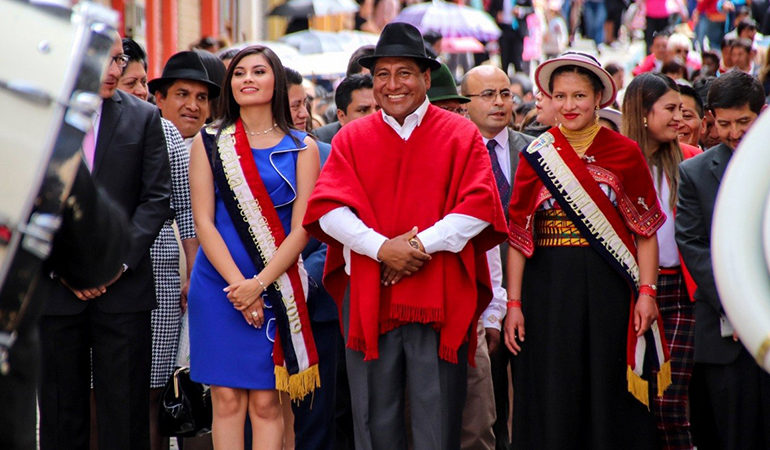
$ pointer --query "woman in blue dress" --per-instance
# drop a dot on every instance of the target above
(232, 325)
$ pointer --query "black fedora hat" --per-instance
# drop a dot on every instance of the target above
(399, 40)
(185, 65)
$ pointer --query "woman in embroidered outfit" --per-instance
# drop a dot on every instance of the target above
(651, 116)
(583, 257)
(250, 178)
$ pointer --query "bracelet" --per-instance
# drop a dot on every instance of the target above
(264, 288)
(648, 289)
(513, 303)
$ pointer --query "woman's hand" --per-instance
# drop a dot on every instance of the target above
(255, 313)
(514, 329)
(645, 313)
(242, 294)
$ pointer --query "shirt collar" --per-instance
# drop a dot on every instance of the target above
(501, 138)
(418, 113)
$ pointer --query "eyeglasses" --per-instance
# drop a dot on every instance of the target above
(489, 95)
(121, 60)
(457, 110)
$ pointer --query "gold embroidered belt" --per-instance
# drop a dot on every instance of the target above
(554, 229)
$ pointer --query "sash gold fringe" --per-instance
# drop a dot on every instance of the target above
(299, 384)
(664, 377)
(638, 387)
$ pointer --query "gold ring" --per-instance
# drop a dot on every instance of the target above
(254, 314)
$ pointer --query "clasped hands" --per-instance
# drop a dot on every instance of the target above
(91, 293)
(400, 259)
(246, 297)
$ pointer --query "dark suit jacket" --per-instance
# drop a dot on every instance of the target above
(327, 132)
(517, 142)
(320, 305)
(700, 177)
(131, 165)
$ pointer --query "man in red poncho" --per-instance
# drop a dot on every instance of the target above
(408, 205)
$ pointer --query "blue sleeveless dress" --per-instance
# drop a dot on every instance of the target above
(224, 349)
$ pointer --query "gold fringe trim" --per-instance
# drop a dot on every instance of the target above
(664, 377)
(638, 387)
(299, 384)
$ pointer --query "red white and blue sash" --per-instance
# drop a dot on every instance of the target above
(259, 228)
(580, 197)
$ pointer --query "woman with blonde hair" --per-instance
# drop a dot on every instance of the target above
(651, 117)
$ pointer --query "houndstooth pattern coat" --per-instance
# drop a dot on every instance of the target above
(166, 318)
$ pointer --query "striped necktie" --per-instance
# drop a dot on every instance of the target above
(503, 187)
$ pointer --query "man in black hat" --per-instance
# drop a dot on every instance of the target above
(407, 235)
(105, 330)
(183, 92)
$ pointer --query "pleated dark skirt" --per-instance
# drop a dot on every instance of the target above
(570, 389)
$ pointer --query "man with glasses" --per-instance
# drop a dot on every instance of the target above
(491, 109)
(106, 330)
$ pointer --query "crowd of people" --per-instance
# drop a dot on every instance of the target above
(504, 262)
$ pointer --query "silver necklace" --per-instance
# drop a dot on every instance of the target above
(259, 133)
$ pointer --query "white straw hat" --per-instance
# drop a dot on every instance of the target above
(545, 71)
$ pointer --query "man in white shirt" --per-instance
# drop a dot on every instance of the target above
(408, 233)
(491, 108)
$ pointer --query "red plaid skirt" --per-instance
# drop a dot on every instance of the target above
(677, 313)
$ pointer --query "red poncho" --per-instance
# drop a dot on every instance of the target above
(394, 185)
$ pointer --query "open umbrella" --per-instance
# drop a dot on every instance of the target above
(465, 44)
(288, 55)
(315, 41)
(323, 65)
(450, 20)
(307, 8)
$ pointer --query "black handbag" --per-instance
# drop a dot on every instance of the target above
(185, 406)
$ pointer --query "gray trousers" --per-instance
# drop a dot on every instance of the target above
(408, 366)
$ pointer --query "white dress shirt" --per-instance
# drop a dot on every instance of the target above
(411, 121)
(449, 234)
(492, 317)
(667, 249)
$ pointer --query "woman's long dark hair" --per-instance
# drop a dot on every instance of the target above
(279, 104)
(641, 94)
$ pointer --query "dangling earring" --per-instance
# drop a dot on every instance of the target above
(644, 121)
(596, 114)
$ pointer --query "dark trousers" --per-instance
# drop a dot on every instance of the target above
(511, 48)
(314, 415)
(408, 366)
(653, 25)
(17, 393)
(731, 405)
(501, 360)
(121, 347)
